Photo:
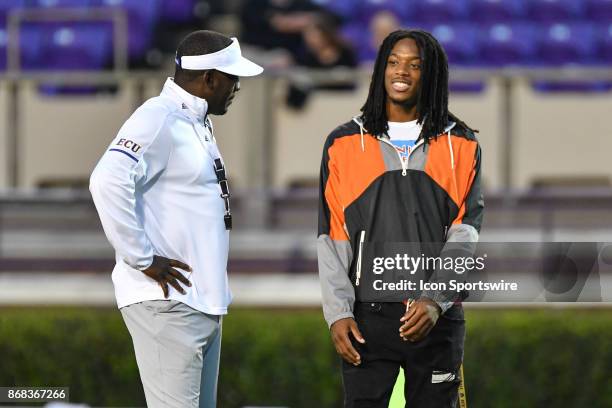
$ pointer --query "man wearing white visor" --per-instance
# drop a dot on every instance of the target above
(162, 195)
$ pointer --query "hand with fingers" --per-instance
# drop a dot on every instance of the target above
(420, 317)
(340, 332)
(162, 270)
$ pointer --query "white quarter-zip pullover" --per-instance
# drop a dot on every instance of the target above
(157, 193)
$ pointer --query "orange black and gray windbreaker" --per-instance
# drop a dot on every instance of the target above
(365, 186)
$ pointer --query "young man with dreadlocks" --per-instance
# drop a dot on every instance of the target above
(405, 171)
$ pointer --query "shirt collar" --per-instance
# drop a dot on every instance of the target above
(196, 106)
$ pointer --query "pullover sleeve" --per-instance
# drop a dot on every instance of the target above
(333, 246)
(135, 157)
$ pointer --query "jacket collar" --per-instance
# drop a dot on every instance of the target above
(359, 122)
(196, 107)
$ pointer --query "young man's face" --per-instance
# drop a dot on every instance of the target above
(225, 88)
(403, 73)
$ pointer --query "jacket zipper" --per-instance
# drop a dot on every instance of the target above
(399, 155)
(361, 240)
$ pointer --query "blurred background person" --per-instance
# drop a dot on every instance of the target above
(381, 25)
(273, 24)
(323, 49)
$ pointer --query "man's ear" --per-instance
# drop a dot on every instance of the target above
(210, 79)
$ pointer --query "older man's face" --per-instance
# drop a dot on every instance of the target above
(226, 86)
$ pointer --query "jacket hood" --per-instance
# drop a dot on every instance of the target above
(447, 131)
(363, 130)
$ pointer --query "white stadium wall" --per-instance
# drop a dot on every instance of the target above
(568, 136)
(62, 138)
(562, 135)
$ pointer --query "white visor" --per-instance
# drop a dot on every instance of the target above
(228, 60)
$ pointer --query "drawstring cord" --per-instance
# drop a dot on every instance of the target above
(448, 135)
(452, 160)
(355, 119)
(450, 148)
(362, 142)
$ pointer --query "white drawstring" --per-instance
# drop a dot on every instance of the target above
(360, 131)
(452, 160)
(450, 147)
(362, 143)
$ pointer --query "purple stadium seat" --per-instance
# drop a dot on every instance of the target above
(7, 5)
(561, 44)
(507, 44)
(347, 9)
(65, 46)
(566, 44)
(604, 44)
(178, 11)
(436, 11)
(599, 10)
(495, 11)
(3, 41)
(466, 87)
(459, 41)
(555, 10)
(361, 40)
(572, 86)
(142, 17)
(401, 8)
(62, 3)
(30, 40)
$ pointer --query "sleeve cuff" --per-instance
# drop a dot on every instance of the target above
(140, 264)
(438, 298)
(339, 317)
(445, 306)
(146, 264)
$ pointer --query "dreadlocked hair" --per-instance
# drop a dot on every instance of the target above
(432, 102)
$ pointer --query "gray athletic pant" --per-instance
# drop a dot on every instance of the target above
(177, 350)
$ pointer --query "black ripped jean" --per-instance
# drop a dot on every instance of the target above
(370, 384)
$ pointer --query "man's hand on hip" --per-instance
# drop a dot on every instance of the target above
(162, 270)
(419, 319)
(340, 331)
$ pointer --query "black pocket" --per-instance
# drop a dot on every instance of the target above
(444, 344)
(455, 312)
